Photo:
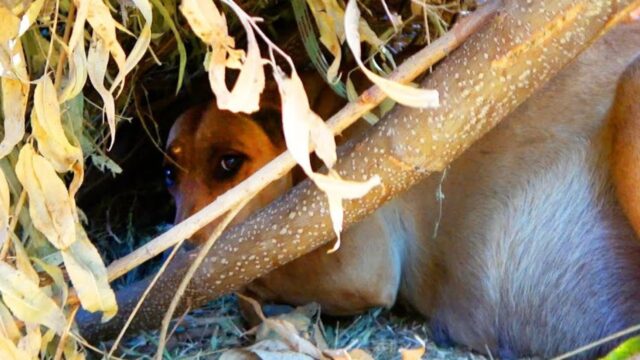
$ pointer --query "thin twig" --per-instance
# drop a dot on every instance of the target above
(202, 254)
(62, 59)
(159, 273)
(53, 34)
(594, 344)
(13, 224)
(406, 72)
(65, 334)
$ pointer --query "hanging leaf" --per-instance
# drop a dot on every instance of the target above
(30, 16)
(48, 131)
(89, 276)
(4, 208)
(9, 350)
(61, 288)
(51, 208)
(97, 69)
(211, 27)
(27, 301)
(76, 55)
(303, 127)
(23, 263)
(104, 27)
(404, 94)
(15, 93)
(141, 45)
(8, 327)
(9, 25)
(30, 343)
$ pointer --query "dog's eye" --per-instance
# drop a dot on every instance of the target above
(169, 173)
(228, 166)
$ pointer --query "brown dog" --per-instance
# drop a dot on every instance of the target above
(528, 254)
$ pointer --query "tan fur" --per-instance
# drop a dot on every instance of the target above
(528, 253)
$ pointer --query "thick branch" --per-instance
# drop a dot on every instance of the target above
(408, 71)
(494, 72)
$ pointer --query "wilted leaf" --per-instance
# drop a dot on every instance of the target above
(30, 16)
(8, 25)
(50, 207)
(62, 290)
(48, 131)
(104, 26)
(8, 327)
(27, 301)
(30, 343)
(97, 69)
(14, 105)
(207, 22)
(302, 127)
(9, 351)
(89, 276)
(141, 45)
(404, 94)
(211, 26)
(4, 208)
(76, 55)
(23, 263)
(46, 339)
(15, 92)
(72, 351)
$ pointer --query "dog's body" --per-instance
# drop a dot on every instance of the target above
(527, 254)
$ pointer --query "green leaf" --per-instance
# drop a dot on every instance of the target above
(625, 350)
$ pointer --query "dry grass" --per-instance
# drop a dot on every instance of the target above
(206, 333)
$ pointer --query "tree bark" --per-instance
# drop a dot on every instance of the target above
(497, 69)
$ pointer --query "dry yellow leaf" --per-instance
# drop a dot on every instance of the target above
(48, 131)
(8, 327)
(14, 106)
(60, 288)
(30, 16)
(207, 22)
(301, 127)
(403, 94)
(89, 276)
(46, 339)
(15, 92)
(76, 55)
(104, 26)
(141, 45)
(30, 343)
(23, 263)
(51, 208)
(211, 27)
(27, 301)
(8, 25)
(4, 208)
(97, 60)
(9, 350)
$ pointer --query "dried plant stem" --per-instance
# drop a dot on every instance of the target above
(408, 71)
(65, 334)
(143, 297)
(13, 224)
(202, 253)
(62, 59)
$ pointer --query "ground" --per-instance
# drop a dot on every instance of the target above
(207, 333)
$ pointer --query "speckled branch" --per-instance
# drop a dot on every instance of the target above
(488, 77)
